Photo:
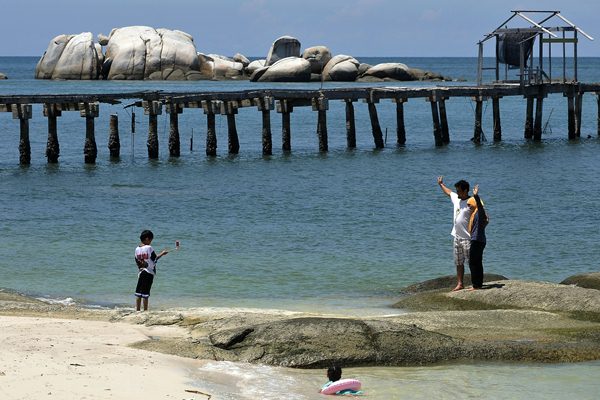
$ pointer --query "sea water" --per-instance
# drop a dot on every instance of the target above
(339, 232)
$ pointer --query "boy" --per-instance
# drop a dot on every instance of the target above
(460, 228)
(146, 259)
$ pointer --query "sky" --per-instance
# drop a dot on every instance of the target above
(403, 28)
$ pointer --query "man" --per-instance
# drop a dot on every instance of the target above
(460, 227)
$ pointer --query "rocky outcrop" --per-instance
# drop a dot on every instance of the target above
(318, 56)
(447, 282)
(141, 52)
(254, 65)
(507, 321)
(289, 69)
(70, 57)
(3, 76)
(283, 47)
(395, 71)
(341, 68)
(590, 280)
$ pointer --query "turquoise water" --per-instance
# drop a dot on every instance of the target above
(341, 232)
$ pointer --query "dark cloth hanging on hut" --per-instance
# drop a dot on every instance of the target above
(508, 47)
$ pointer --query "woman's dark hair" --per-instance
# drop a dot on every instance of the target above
(334, 373)
(146, 235)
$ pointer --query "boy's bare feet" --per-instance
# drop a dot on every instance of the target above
(458, 287)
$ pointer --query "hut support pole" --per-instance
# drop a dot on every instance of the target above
(114, 143)
(52, 111)
(174, 109)
(571, 116)
(89, 111)
(321, 105)
(351, 124)
(400, 129)
(375, 127)
(265, 105)
(233, 141)
(578, 109)
(285, 108)
(478, 117)
(496, 114)
(537, 126)
(211, 131)
(528, 134)
(23, 113)
(153, 109)
(437, 131)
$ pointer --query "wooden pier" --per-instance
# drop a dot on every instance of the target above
(284, 102)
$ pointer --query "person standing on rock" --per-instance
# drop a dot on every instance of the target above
(477, 223)
(460, 227)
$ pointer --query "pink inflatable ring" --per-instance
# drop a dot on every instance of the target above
(342, 384)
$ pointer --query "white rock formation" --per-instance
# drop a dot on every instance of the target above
(70, 57)
(283, 47)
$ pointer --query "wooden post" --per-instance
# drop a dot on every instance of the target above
(351, 124)
(52, 111)
(114, 143)
(23, 113)
(211, 132)
(152, 109)
(89, 111)
(478, 116)
(496, 113)
(571, 116)
(528, 134)
(285, 108)
(174, 109)
(537, 126)
(265, 105)
(233, 141)
(321, 105)
(443, 120)
(400, 130)
(437, 132)
(375, 127)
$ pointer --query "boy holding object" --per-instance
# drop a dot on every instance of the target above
(146, 260)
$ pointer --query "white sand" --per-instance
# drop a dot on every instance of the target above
(77, 359)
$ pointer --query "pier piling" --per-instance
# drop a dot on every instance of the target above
(537, 125)
(375, 127)
(285, 108)
(435, 117)
(174, 109)
(400, 129)
(351, 123)
(52, 111)
(321, 105)
(114, 143)
(211, 132)
(233, 141)
(23, 113)
(153, 109)
(443, 120)
(265, 105)
(89, 111)
(478, 131)
(528, 133)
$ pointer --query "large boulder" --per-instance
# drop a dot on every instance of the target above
(70, 57)
(283, 47)
(226, 68)
(3, 76)
(254, 65)
(341, 68)
(590, 280)
(290, 69)
(318, 56)
(142, 52)
(395, 71)
(241, 59)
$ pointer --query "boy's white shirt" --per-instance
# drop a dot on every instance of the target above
(462, 213)
(145, 253)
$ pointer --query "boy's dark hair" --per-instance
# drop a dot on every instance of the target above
(146, 235)
(334, 373)
(462, 185)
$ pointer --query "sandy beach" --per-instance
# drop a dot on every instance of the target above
(82, 359)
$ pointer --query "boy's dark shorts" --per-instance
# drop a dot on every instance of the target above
(144, 285)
